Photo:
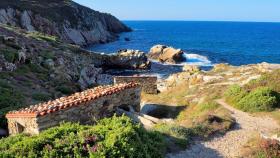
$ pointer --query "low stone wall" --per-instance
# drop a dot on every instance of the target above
(148, 83)
(96, 104)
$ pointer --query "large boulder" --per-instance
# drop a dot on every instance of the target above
(166, 54)
(129, 59)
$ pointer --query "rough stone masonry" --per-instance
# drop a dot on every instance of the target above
(148, 83)
(85, 107)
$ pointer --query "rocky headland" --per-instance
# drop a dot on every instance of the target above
(67, 20)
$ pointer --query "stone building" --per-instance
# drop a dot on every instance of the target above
(148, 83)
(84, 107)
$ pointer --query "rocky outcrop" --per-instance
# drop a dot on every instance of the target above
(166, 54)
(129, 59)
(26, 21)
(92, 76)
(62, 61)
(68, 20)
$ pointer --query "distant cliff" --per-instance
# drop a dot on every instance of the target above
(66, 19)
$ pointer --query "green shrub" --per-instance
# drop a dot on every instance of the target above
(260, 99)
(46, 54)
(10, 55)
(41, 97)
(235, 93)
(9, 99)
(111, 137)
(22, 70)
(180, 135)
(37, 68)
(209, 106)
(65, 90)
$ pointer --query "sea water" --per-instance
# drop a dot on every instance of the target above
(204, 43)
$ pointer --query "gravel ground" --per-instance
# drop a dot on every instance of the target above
(229, 145)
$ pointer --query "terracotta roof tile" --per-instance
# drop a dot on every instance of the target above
(76, 99)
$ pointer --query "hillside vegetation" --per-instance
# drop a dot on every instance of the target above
(258, 95)
(110, 137)
(36, 67)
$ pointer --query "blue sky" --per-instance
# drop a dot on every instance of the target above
(209, 10)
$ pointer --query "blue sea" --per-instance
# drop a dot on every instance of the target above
(204, 43)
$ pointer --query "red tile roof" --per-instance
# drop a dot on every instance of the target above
(76, 99)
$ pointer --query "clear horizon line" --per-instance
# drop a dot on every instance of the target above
(204, 20)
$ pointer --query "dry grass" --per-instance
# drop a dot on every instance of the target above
(174, 96)
(198, 114)
(251, 148)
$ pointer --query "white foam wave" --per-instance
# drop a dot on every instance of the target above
(196, 59)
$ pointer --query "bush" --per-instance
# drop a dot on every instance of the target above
(180, 135)
(10, 55)
(208, 106)
(235, 93)
(41, 97)
(259, 99)
(111, 137)
(9, 100)
(65, 90)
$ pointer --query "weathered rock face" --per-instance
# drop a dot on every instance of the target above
(68, 20)
(92, 76)
(166, 54)
(129, 59)
(64, 62)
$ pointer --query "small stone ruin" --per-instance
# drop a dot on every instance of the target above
(85, 107)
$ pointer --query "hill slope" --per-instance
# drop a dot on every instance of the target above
(35, 67)
(66, 19)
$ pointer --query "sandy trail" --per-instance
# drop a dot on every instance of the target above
(229, 145)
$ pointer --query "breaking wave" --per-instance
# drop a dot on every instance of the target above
(196, 59)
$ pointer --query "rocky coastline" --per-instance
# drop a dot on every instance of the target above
(71, 22)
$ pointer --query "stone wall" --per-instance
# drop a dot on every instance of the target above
(85, 112)
(23, 125)
(148, 83)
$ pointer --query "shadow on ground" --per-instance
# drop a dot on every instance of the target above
(196, 151)
(162, 111)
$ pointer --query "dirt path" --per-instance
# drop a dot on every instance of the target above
(229, 145)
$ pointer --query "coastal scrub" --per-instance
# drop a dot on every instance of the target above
(257, 100)
(110, 137)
